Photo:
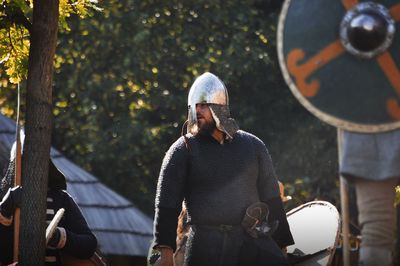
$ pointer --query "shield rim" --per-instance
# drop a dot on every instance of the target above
(328, 118)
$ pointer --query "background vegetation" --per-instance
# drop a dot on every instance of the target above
(121, 83)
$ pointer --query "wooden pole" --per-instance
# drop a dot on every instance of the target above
(17, 180)
(344, 208)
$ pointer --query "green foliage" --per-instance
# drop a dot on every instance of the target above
(14, 39)
(299, 191)
(15, 24)
(122, 78)
(303, 190)
(82, 8)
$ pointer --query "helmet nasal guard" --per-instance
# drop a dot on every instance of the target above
(209, 89)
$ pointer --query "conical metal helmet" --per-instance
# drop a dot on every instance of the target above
(209, 89)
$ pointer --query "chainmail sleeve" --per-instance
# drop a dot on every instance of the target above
(8, 179)
(170, 193)
(269, 193)
(267, 182)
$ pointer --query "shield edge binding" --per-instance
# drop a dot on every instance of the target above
(330, 119)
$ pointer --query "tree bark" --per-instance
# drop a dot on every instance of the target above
(36, 149)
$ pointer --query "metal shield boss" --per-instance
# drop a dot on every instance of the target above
(341, 60)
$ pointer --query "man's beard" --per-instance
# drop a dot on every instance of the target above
(206, 128)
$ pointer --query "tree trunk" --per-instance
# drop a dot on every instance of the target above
(36, 149)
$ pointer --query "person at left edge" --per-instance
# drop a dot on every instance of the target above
(72, 236)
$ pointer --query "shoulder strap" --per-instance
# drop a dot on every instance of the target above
(185, 138)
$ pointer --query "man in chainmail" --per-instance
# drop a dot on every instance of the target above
(219, 171)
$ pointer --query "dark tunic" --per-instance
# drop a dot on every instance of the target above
(217, 182)
(81, 243)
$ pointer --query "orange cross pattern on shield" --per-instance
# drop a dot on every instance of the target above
(335, 49)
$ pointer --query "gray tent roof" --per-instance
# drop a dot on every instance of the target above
(120, 228)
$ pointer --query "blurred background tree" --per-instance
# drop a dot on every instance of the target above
(121, 83)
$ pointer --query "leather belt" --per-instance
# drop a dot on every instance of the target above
(221, 227)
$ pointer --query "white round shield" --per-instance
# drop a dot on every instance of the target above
(315, 227)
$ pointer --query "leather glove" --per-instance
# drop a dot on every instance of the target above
(255, 221)
(10, 201)
(58, 238)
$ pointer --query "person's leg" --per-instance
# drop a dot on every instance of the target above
(377, 219)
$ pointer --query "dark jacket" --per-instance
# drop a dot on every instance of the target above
(80, 243)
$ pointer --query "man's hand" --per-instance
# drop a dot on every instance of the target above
(166, 258)
(58, 238)
(10, 201)
(284, 250)
(55, 238)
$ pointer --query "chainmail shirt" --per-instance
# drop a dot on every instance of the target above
(216, 181)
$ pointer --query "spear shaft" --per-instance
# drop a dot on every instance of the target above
(17, 179)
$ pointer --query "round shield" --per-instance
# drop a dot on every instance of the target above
(315, 227)
(341, 60)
